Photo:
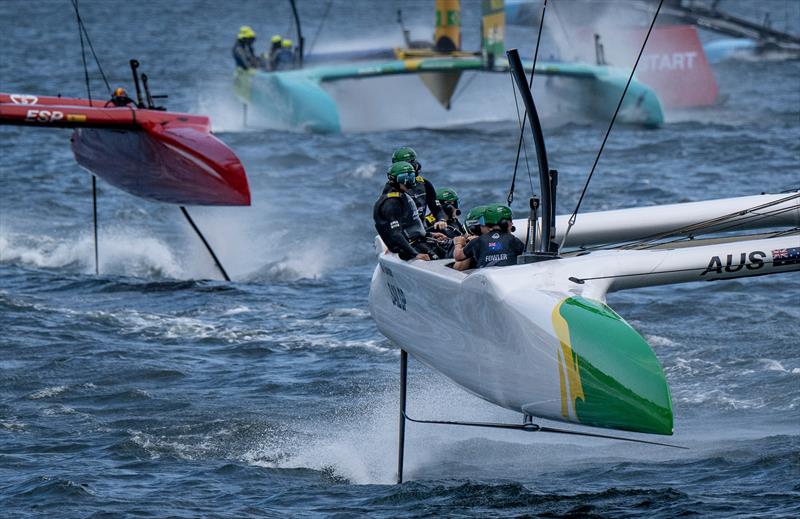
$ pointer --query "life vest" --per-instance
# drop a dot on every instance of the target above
(410, 222)
(418, 194)
(454, 226)
(495, 249)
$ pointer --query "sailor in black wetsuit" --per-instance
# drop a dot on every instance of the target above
(423, 193)
(449, 201)
(496, 247)
(243, 51)
(396, 217)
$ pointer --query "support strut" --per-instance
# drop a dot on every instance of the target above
(402, 430)
(208, 246)
(94, 222)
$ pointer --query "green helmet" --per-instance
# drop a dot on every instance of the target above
(402, 173)
(495, 213)
(447, 194)
(404, 154)
(474, 216)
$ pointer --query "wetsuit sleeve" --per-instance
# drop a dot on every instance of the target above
(433, 205)
(391, 213)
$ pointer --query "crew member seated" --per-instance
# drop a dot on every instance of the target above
(473, 228)
(423, 193)
(283, 59)
(449, 201)
(120, 97)
(396, 218)
(496, 247)
(243, 51)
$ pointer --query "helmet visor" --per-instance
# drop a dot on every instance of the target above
(407, 179)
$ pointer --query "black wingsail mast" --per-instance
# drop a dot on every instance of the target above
(547, 182)
(300, 39)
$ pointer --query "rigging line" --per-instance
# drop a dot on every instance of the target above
(611, 125)
(739, 237)
(319, 28)
(716, 227)
(521, 143)
(734, 239)
(557, 14)
(521, 122)
(700, 226)
(510, 198)
(83, 53)
(94, 178)
(749, 220)
(650, 244)
(82, 27)
(787, 232)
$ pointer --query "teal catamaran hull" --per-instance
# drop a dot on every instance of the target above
(297, 99)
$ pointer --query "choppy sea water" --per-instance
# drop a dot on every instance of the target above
(155, 390)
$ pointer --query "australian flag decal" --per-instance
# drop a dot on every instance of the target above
(495, 246)
(790, 256)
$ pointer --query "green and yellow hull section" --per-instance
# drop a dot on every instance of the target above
(507, 337)
(608, 375)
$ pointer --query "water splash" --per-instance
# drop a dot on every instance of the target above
(122, 252)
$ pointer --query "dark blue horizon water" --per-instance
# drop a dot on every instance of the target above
(154, 390)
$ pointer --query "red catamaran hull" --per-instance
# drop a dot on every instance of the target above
(165, 156)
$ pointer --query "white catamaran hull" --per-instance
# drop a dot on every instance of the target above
(539, 339)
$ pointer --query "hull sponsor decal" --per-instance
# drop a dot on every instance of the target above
(569, 376)
(753, 261)
(608, 375)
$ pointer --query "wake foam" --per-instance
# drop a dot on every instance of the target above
(122, 252)
(359, 442)
(303, 263)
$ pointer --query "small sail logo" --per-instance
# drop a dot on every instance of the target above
(23, 99)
